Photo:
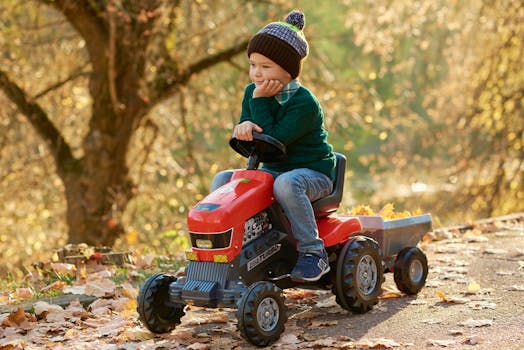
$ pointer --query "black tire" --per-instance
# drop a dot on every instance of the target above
(262, 313)
(410, 270)
(154, 309)
(359, 275)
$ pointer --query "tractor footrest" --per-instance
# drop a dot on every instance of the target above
(205, 293)
(201, 292)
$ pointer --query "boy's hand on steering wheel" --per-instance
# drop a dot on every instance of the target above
(244, 130)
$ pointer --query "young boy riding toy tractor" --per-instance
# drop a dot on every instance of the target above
(242, 253)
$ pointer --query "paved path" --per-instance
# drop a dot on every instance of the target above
(473, 299)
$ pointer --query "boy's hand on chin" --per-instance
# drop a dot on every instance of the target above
(268, 88)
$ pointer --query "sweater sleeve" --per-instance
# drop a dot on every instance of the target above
(301, 116)
(245, 114)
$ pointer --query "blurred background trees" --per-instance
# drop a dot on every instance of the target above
(120, 111)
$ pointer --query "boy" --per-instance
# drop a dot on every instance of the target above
(276, 104)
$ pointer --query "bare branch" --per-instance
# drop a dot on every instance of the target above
(212, 60)
(89, 24)
(78, 73)
(40, 121)
(184, 75)
(111, 70)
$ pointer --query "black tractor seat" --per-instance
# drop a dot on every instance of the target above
(330, 203)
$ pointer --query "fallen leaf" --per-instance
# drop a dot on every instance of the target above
(451, 300)
(474, 236)
(211, 316)
(476, 323)
(288, 339)
(433, 284)
(518, 252)
(299, 294)
(126, 307)
(63, 269)
(202, 335)
(473, 287)
(381, 343)
(127, 290)
(76, 309)
(136, 334)
(4, 299)
(517, 288)
(56, 285)
(20, 319)
(199, 346)
(495, 251)
(75, 289)
(24, 293)
(320, 323)
(100, 287)
(57, 316)
(482, 305)
(42, 307)
(473, 340)
(13, 344)
(328, 303)
(442, 343)
(391, 295)
(325, 342)
(144, 261)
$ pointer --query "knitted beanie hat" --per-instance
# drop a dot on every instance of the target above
(283, 42)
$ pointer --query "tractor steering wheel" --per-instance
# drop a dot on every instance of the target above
(263, 148)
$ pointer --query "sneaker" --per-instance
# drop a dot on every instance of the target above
(310, 267)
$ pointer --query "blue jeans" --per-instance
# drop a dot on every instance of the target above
(295, 190)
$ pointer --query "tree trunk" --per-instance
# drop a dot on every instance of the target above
(95, 206)
(117, 37)
(98, 192)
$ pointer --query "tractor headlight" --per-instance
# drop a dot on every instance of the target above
(204, 244)
(215, 240)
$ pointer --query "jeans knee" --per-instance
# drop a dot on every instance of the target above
(286, 187)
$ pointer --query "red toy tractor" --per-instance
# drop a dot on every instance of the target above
(243, 252)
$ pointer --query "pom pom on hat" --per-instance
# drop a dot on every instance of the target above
(283, 42)
(297, 19)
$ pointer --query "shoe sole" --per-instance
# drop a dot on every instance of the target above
(312, 279)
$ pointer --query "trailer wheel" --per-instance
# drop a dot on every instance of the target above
(410, 270)
(262, 313)
(155, 310)
(359, 275)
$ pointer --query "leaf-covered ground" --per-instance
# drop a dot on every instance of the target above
(473, 299)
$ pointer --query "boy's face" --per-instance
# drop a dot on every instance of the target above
(262, 68)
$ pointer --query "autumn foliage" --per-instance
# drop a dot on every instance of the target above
(115, 115)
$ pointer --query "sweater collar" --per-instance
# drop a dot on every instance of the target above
(287, 91)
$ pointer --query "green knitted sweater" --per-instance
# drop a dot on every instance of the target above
(298, 124)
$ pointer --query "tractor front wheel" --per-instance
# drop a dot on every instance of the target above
(155, 310)
(262, 313)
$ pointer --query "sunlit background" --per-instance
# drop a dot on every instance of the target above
(424, 97)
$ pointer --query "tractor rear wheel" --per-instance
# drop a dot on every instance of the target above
(261, 313)
(155, 310)
(359, 275)
(410, 270)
